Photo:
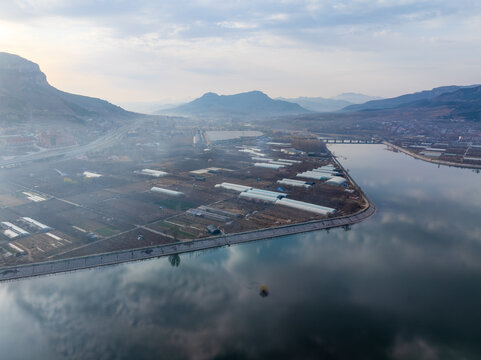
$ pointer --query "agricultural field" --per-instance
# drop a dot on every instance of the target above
(97, 203)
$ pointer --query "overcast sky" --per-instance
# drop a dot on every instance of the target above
(149, 50)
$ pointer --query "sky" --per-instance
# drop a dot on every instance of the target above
(170, 51)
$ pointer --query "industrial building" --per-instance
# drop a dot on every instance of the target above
(53, 236)
(150, 172)
(212, 229)
(269, 166)
(211, 170)
(33, 197)
(258, 196)
(261, 158)
(277, 198)
(337, 181)
(13, 231)
(251, 190)
(166, 191)
(293, 151)
(329, 171)
(291, 182)
(280, 162)
(253, 151)
(89, 174)
(17, 249)
(318, 209)
(329, 167)
(291, 161)
(326, 172)
(10, 233)
(36, 224)
(267, 192)
(315, 175)
(235, 187)
(431, 153)
(207, 215)
(209, 212)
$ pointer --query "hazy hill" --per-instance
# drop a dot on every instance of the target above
(25, 94)
(249, 103)
(319, 104)
(355, 98)
(336, 103)
(404, 99)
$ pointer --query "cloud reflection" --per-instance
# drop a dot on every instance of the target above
(401, 285)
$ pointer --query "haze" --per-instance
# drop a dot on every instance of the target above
(145, 50)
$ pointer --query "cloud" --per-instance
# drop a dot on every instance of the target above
(378, 47)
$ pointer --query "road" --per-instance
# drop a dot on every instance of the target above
(102, 142)
(434, 161)
(91, 261)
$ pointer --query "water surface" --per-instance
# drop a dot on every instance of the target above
(405, 284)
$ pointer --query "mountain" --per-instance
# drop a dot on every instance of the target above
(355, 98)
(336, 103)
(248, 103)
(149, 107)
(319, 104)
(25, 94)
(463, 103)
(404, 99)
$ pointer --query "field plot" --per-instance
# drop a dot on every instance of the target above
(157, 197)
(124, 241)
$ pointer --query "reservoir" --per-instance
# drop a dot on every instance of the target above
(404, 284)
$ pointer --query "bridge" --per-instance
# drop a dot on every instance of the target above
(350, 141)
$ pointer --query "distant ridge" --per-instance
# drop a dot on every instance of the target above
(318, 104)
(25, 94)
(404, 99)
(355, 98)
(248, 103)
(463, 103)
(336, 103)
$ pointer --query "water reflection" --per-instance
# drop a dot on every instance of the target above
(174, 260)
(405, 284)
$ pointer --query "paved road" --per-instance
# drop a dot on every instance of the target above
(91, 261)
(71, 151)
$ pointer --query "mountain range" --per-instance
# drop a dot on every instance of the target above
(447, 102)
(248, 103)
(463, 103)
(405, 99)
(26, 95)
(336, 103)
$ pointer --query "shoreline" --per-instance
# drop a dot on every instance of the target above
(118, 257)
(434, 161)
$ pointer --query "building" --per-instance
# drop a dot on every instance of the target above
(50, 139)
(166, 191)
(337, 181)
(212, 229)
(17, 141)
